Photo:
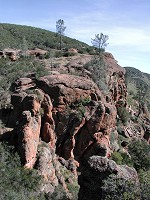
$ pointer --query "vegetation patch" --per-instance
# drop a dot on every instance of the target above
(15, 181)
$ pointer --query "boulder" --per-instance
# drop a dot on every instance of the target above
(94, 176)
(36, 52)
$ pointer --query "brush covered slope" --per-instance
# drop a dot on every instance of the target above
(138, 84)
(69, 120)
(21, 36)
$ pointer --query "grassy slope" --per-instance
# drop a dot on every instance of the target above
(13, 35)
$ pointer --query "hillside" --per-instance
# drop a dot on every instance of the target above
(72, 126)
(15, 36)
(136, 76)
(138, 82)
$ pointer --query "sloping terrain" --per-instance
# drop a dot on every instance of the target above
(138, 84)
(19, 36)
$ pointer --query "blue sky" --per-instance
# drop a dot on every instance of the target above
(126, 22)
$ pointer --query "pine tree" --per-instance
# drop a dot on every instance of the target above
(60, 29)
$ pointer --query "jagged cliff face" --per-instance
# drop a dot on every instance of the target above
(76, 118)
(72, 117)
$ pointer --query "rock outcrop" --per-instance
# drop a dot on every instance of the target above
(95, 173)
(14, 54)
(76, 119)
(82, 117)
(65, 122)
(67, 113)
(27, 122)
(36, 52)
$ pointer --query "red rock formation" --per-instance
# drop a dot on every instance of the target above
(69, 116)
(36, 52)
(67, 93)
(48, 133)
(13, 54)
(73, 112)
(77, 118)
(28, 126)
(28, 138)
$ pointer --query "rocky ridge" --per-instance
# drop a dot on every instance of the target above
(63, 120)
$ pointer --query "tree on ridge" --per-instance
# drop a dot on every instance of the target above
(100, 42)
(60, 29)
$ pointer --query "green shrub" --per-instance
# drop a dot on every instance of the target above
(81, 51)
(71, 182)
(140, 154)
(41, 57)
(16, 182)
(144, 177)
(123, 114)
(85, 101)
(58, 54)
(58, 194)
(140, 160)
(127, 160)
(117, 157)
(139, 151)
(115, 188)
(80, 106)
(10, 71)
(90, 50)
(98, 69)
(67, 54)
(121, 158)
(48, 55)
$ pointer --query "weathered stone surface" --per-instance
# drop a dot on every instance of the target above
(28, 133)
(55, 171)
(13, 54)
(36, 52)
(76, 119)
(27, 122)
(70, 87)
(45, 164)
(48, 135)
(48, 129)
(146, 128)
(22, 84)
(72, 119)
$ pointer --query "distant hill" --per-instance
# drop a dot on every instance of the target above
(15, 36)
(134, 73)
(136, 79)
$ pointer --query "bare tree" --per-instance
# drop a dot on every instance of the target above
(60, 29)
(100, 42)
